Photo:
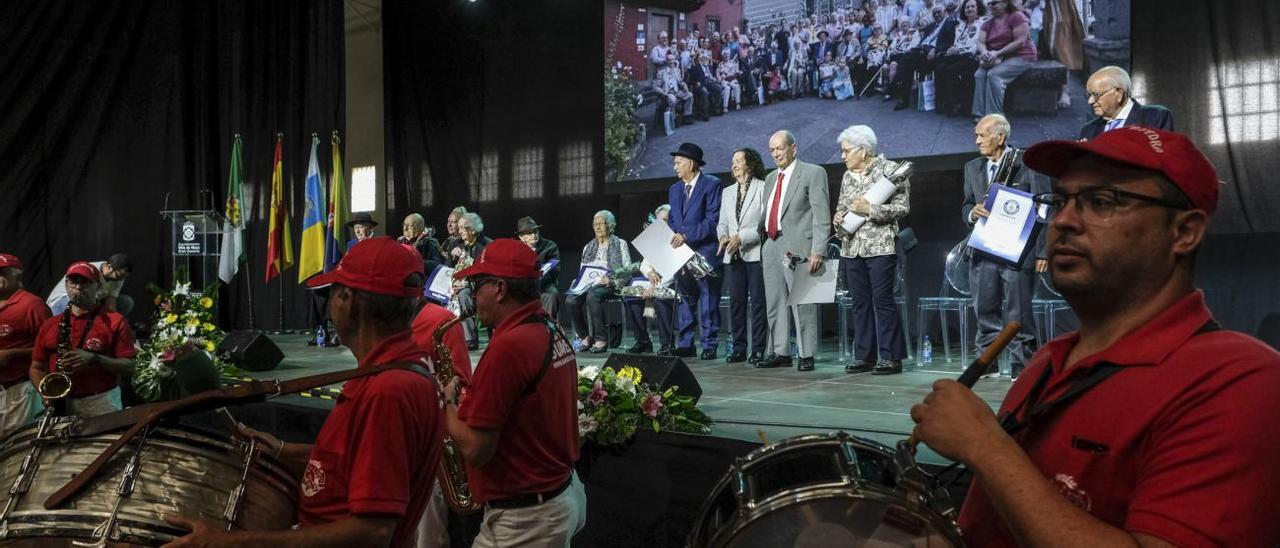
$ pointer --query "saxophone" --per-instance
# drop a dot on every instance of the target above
(56, 386)
(453, 474)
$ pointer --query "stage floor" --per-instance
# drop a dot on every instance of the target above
(744, 401)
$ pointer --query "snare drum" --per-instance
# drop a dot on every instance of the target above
(823, 490)
(177, 471)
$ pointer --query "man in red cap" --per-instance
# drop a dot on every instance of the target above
(21, 315)
(367, 479)
(90, 343)
(1150, 425)
(517, 421)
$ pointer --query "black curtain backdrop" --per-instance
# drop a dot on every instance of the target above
(110, 106)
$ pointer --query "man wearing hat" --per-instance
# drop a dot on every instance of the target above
(516, 422)
(99, 345)
(21, 315)
(695, 212)
(114, 270)
(361, 225)
(1151, 425)
(367, 479)
(529, 232)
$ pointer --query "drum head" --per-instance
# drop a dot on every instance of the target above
(839, 518)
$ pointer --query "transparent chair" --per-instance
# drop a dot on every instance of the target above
(1046, 302)
(901, 296)
(952, 297)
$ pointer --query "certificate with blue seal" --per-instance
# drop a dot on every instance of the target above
(1008, 233)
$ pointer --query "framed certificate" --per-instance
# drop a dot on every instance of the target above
(588, 277)
(439, 285)
(1008, 234)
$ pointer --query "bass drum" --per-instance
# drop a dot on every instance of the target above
(174, 470)
(823, 490)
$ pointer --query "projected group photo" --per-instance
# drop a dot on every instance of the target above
(725, 74)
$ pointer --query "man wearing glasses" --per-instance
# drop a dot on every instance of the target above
(516, 422)
(1109, 97)
(1150, 426)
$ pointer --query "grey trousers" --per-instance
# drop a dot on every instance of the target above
(989, 85)
(1003, 295)
(777, 287)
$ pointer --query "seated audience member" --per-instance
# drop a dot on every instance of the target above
(901, 42)
(469, 245)
(586, 308)
(530, 232)
(953, 70)
(1005, 52)
(827, 77)
(670, 85)
(706, 88)
(727, 74)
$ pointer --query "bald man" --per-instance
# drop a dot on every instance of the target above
(1109, 95)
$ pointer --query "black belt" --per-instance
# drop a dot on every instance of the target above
(524, 501)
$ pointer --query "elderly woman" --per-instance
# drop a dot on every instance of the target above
(868, 254)
(656, 306)
(953, 70)
(738, 229)
(1004, 52)
(585, 307)
(465, 250)
(903, 39)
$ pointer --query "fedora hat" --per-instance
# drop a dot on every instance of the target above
(361, 219)
(690, 151)
(526, 224)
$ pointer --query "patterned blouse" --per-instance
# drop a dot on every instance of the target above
(875, 237)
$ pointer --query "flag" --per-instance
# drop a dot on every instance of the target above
(311, 256)
(335, 234)
(279, 241)
(233, 252)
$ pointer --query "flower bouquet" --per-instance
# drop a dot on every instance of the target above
(612, 405)
(178, 359)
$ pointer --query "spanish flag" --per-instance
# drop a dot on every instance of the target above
(279, 241)
(311, 261)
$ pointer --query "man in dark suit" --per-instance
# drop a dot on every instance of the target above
(937, 36)
(1108, 95)
(530, 232)
(1001, 293)
(817, 54)
(706, 90)
(695, 211)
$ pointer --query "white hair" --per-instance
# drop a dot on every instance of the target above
(609, 218)
(661, 208)
(474, 220)
(1116, 76)
(998, 123)
(859, 137)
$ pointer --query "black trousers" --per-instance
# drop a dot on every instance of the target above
(877, 326)
(586, 310)
(953, 81)
(664, 309)
(745, 282)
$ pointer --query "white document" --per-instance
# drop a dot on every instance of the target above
(440, 286)
(588, 276)
(880, 193)
(809, 288)
(655, 244)
(1006, 231)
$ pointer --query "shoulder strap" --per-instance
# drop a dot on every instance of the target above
(553, 331)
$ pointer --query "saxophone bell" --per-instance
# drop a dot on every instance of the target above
(54, 386)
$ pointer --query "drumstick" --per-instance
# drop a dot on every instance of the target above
(979, 366)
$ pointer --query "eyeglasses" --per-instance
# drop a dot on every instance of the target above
(1092, 97)
(1100, 203)
(474, 285)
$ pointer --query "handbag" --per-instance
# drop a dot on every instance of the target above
(926, 95)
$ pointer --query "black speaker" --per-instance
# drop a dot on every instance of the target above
(660, 371)
(250, 350)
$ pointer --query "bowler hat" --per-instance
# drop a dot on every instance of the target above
(690, 151)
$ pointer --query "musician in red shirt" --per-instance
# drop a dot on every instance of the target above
(21, 315)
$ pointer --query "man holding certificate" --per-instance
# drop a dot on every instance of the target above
(873, 196)
(1008, 245)
(695, 212)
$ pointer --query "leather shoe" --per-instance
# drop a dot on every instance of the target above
(775, 360)
(736, 357)
(641, 348)
(993, 371)
(708, 354)
(858, 366)
(806, 364)
(684, 352)
(755, 358)
(887, 367)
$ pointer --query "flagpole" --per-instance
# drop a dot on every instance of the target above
(248, 288)
(284, 233)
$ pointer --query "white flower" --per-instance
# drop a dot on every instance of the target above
(627, 384)
(190, 330)
(182, 289)
(589, 372)
(586, 425)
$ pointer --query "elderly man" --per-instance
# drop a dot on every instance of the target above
(1109, 97)
(114, 271)
(869, 254)
(1150, 426)
(659, 53)
(797, 222)
(21, 315)
(87, 342)
(695, 212)
(369, 475)
(361, 225)
(469, 244)
(706, 87)
(1001, 292)
(670, 84)
(415, 234)
(530, 232)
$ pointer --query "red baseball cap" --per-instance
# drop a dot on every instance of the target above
(504, 258)
(1171, 154)
(9, 261)
(378, 265)
(84, 270)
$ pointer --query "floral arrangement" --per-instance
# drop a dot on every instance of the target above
(612, 405)
(183, 324)
(621, 128)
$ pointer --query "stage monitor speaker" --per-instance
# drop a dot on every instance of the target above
(250, 350)
(660, 371)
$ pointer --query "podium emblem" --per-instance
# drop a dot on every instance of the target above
(188, 231)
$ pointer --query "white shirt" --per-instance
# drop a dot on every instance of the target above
(993, 166)
(108, 288)
(782, 199)
(1122, 117)
(691, 185)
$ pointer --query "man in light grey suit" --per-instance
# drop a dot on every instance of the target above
(1001, 293)
(741, 217)
(797, 220)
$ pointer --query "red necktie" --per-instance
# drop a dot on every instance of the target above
(772, 228)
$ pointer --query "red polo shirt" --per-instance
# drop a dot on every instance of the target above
(20, 319)
(110, 335)
(539, 440)
(378, 450)
(1179, 444)
(424, 326)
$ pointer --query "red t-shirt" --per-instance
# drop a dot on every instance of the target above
(110, 335)
(424, 326)
(1000, 34)
(539, 440)
(378, 450)
(1178, 444)
(20, 319)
